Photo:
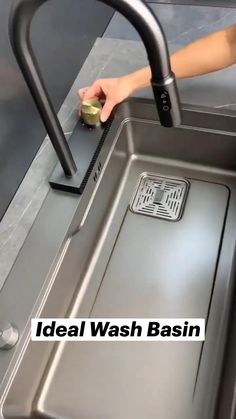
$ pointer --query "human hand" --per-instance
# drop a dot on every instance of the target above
(112, 91)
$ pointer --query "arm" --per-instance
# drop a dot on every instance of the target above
(203, 56)
(206, 55)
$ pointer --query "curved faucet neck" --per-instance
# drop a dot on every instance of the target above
(141, 16)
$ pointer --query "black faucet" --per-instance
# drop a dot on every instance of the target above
(143, 19)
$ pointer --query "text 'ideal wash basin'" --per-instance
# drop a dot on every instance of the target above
(152, 236)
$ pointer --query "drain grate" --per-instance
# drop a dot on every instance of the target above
(160, 197)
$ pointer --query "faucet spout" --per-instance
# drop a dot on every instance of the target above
(143, 19)
(141, 16)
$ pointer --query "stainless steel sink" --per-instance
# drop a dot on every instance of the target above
(153, 235)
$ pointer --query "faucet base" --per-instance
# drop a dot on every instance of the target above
(85, 145)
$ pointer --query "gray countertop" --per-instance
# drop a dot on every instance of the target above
(109, 57)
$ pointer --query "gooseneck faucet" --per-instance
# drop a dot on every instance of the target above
(143, 19)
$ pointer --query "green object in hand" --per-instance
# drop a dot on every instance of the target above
(91, 111)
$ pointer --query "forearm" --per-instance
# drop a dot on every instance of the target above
(206, 55)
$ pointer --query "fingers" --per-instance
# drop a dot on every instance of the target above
(107, 109)
(97, 91)
(91, 92)
(82, 92)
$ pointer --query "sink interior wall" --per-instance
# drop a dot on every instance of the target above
(192, 145)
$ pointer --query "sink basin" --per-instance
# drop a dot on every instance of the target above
(153, 235)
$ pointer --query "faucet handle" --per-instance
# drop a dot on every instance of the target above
(167, 101)
(8, 336)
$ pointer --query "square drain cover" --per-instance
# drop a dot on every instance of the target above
(160, 197)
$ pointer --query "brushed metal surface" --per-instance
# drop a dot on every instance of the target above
(94, 262)
(156, 270)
